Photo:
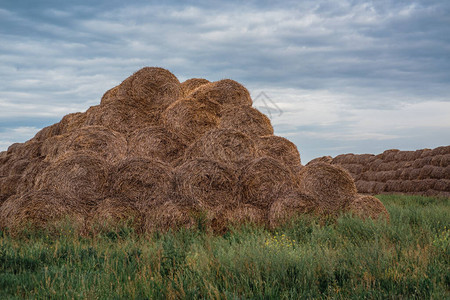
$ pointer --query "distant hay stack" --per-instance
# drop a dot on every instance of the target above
(281, 149)
(289, 205)
(323, 159)
(189, 119)
(331, 186)
(150, 88)
(205, 184)
(188, 86)
(143, 180)
(81, 176)
(263, 179)
(226, 146)
(165, 216)
(365, 207)
(155, 142)
(246, 119)
(109, 96)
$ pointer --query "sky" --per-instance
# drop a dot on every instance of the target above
(335, 76)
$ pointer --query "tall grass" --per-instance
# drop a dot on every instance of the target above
(307, 258)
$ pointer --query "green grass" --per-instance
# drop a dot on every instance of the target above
(350, 258)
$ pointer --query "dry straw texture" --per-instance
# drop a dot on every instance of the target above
(289, 205)
(368, 207)
(109, 96)
(167, 215)
(323, 159)
(72, 122)
(331, 186)
(244, 213)
(246, 119)
(188, 86)
(8, 186)
(281, 149)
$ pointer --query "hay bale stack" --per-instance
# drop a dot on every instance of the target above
(368, 207)
(150, 88)
(80, 176)
(109, 96)
(141, 180)
(263, 180)
(155, 142)
(281, 149)
(227, 146)
(189, 119)
(207, 185)
(190, 85)
(246, 119)
(331, 186)
(289, 205)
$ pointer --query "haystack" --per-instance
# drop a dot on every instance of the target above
(289, 205)
(188, 86)
(72, 122)
(205, 184)
(365, 206)
(109, 96)
(323, 159)
(39, 209)
(155, 142)
(189, 119)
(30, 149)
(142, 180)
(8, 186)
(47, 132)
(331, 186)
(226, 92)
(226, 146)
(167, 215)
(263, 180)
(281, 149)
(150, 88)
(246, 119)
(81, 176)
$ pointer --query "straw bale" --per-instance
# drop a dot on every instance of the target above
(188, 86)
(425, 184)
(150, 88)
(155, 142)
(426, 153)
(227, 146)
(407, 155)
(446, 172)
(142, 180)
(288, 206)
(72, 122)
(189, 119)
(440, 150)
(48, 132)
(111, 213)
(226, 92)
(331, 186)
(365, 186)
(8, 186)
(379, 187)
(442, 185)
(419, 163)
(167, 215)
(281, 149)
(396, 185)
(109, 96)
(365, 207)
(389, 155)
(29, 149)
(81, 176)
(245, 213)
(425, 172)
(348, 158)
(375, 164)
(246, 119)
(39, 208)
(353, 168)
(28, 180)
(386, 175)
(323, 159)
(263, 179)
(445, 160)
(121, 117)
(205, 184)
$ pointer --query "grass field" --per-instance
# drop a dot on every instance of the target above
(309, 258)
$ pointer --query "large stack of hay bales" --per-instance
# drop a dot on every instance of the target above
(159, 154)
(421, 172)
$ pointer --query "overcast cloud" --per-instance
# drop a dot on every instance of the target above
(348, 76)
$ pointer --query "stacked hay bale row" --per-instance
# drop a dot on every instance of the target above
(422, 172)
(158, 154)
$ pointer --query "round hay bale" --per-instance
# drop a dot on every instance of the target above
(30, 149)
(425, 172)
(365, 207)
(142, 180)
(425, 153)
(226, 92)
(442, 185)
(150, 88)
(226, 146)
(3, 154)
(40, 209)
(280, 148)
(27, 182)
(188, 86)
(246, 119)
(331, 186)
(167, 215)
(365, 186)
(155, 142)
(189, 119)
(323, 159)
(72, 122)
(348, 158)
(289, 205)
(445, 161)
(263, 180)
(8, 186)
(109, 96)
(47, 132)
(243, 214)
(389, 155)
(81, 176)
(440, 150)
(205, 184)
(121, 117)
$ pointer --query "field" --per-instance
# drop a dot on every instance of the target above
(308, 258)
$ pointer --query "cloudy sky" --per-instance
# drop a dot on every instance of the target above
(340, 76)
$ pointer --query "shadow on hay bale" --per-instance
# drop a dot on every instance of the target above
(281, 149)
(142, 180)
(226, 146)
(150, 88)
(155, 142)
(246, 119)
(331, 186)
(365, 207)
(188, 86)
(39, 209)
(80, 176)
(189, 119)
(168, 215)
(263, 179)
(290, 205)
